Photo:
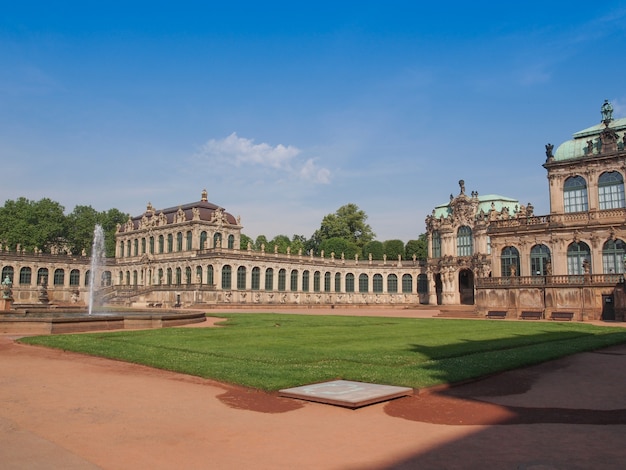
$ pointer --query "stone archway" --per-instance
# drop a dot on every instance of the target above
(466, 287)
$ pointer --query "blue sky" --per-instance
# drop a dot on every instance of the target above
(285, 111)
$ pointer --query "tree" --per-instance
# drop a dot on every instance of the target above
(418, 247)
(347, 223)
(81, 221)
(281, 241)
(33, 224)
(244, 241)
(375, 248)
(298, 243)
(109, 220)
(339, 246)
(393, 248)
(261, 241)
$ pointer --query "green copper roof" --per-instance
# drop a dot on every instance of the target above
(576, 147)
(484, 204)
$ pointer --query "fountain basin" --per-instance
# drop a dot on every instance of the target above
(55, 322)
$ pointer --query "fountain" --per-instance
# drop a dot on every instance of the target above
(97, 261)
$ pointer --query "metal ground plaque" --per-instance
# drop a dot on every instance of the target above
(346, 393)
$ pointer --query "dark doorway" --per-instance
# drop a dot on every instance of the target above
(438, 288)
(466, 287)
(608, 308)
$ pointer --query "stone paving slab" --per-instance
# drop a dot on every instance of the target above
(346, 393)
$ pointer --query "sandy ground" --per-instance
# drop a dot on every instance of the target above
(64, 410)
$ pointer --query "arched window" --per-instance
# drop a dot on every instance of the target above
(282, 279)
(151, 245)
(241, 277)
(136, 247)
(189, 240)
(327, 278)
(407, 283)
(578, 258)
(377, 283)
(59, 277)
(160, 274)
(226, 277)
(349, 282)
(509, 262)
(161, 244)
(143, 246)
(611, 190)
(179, 276)
(436, 244)
(179, 241)
(7, 271)
(294, 280)
(25, 276)
(217, 240)
(188, 275)
(210, 275)
(256, 278)
(231, 242)
(42, 276)
(122, 249)
(305, 281)
(338, 282)
(128, 278)
(269, 279)
(422, 284)
(199, 274)
(170, 243)
(74, 277)
(169, 276)
(575, 194)
(540, 261)
(134, 278)
(363, 283)
(464, 243)
(392, 283)
(317, 278)
(613, 253)
(203, 237)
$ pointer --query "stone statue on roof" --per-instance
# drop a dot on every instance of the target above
(607, 112)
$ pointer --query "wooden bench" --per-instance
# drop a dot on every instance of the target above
(531, 315)
(496, 314)
(562, 316)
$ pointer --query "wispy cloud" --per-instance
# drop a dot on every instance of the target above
(240, 152)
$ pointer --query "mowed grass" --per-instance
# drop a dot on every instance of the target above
(274, 351)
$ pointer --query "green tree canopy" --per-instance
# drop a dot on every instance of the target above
(418, 247)
(393, 248)
(347, 223)
(339, 246)
(375, 248)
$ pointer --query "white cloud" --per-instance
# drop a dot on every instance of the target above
(240, 152)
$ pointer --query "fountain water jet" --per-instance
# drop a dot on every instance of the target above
(97, 262)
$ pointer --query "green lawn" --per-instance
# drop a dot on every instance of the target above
(274, 351)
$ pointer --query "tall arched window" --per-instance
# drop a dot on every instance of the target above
(210, 275)
(305, 281)
(293, 285)
(392, 283)
(188, 275)
(575, 194)
(422, 284)
(161, 244)
(464, 243)
(231, 242)
(611, 190)
(169, 276)
(179, 241)
(42, 276)
(407, 283)
(613, 253)
(377, 283)
(136, 247)
(179, 276)
(151, 245)
(338, 282)
(241, 277)
(121, 249)
(282, 279)
(189, 240)
(160, 276)
(540, 261)
(327, 278)
(199, 274)
(203, 237)
(25, 276)
(256, 278)
(7, 271)
(226, 277)
(269, 279)
(436, 244)
(143, 246)
(317, 276)
(509, 261)
(170, 243)
(578, 256)
(349, 282)
(59, 277)
(363, 283)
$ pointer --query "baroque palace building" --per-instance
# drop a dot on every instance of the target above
(496, 253)
(489, 251)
